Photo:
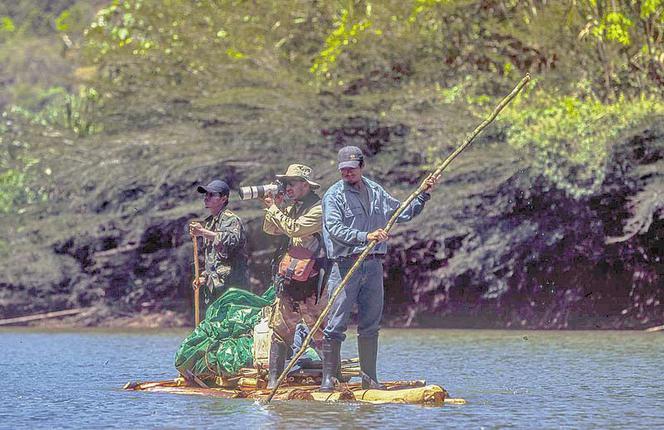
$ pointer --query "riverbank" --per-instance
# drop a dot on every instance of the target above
(99, 319)
(505, 250)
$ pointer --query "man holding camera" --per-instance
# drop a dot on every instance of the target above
(298, 275)
(224, 244)
(355, 211)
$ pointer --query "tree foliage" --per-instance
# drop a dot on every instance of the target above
(114, 65)
(567, 138)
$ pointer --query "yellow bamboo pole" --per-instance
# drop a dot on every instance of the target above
(197, 312)
(372, 244)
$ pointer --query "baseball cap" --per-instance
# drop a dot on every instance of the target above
(350, 156)
(216, 186)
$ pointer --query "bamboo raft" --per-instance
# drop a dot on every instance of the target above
(251, 384)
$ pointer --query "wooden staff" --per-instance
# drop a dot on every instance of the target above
(197, 315)
(371, 245)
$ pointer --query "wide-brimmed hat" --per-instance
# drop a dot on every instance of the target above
(216, 186)
(299, 171)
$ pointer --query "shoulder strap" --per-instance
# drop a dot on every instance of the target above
(315, 200)
(309, 202)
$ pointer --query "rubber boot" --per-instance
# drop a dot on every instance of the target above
(317, 346)
(331, 364)
(277, 362)
(367, 349)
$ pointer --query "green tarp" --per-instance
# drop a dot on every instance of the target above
(222, 342)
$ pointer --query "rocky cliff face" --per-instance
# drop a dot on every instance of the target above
(515, 252)
(497, 246)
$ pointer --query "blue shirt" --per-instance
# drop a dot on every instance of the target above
(346, 223)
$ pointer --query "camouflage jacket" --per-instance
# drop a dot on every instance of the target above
(226, 255)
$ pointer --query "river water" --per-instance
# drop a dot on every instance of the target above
(511, 379)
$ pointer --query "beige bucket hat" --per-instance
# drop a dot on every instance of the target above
(299, 171)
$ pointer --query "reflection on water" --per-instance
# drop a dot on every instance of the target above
(510, 378)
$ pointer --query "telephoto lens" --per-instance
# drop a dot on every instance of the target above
(258, 191)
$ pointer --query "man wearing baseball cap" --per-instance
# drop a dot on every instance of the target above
(355, 211)
(224, 243)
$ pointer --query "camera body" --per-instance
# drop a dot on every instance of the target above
(261, 191)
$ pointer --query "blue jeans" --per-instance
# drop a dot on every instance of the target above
(365, 288)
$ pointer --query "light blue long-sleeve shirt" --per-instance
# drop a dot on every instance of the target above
(346, 223)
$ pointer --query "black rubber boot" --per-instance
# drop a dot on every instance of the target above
(277, 362)
(331, 364)
(367, 349)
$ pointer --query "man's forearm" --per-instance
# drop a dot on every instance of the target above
(304, 225)
(270, 227)
(208, 234)
(346, 235)
(414, 208)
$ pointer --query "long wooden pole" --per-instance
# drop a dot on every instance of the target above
(37, 317)
(372, 244)
(197, 312)
(654, 329)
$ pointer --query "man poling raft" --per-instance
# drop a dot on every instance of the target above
(355, 209)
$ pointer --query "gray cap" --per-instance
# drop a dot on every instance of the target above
(350, 156)
(216, 186)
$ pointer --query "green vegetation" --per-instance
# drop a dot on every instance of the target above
(17, 168)
(567, 137)
(39, 42)
(75, 112)
(116, 65)
(15, 192)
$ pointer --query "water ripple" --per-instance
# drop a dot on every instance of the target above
(510, 379)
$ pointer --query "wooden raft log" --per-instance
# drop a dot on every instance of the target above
(405, 392)
(47, 315)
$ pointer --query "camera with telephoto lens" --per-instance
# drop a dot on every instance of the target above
(261, 191)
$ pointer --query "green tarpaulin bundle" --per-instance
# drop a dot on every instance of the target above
(221, 344)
